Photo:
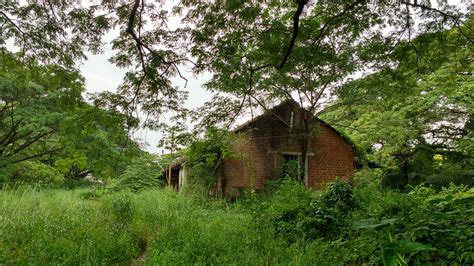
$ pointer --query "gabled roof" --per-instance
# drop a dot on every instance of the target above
(265, 114)
(178, 162)
(270, 113)
(295, 104)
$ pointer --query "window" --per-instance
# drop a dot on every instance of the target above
(290, 157)
(291, 167)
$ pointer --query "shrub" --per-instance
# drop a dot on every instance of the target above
(288, 207)
(394, 179)
(422, 227)
(291, 169)
(299, 213)
(451, 173)
(339, 195)
(443, 220)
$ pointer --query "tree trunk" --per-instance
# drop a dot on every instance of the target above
(169, 176)
(304, 146)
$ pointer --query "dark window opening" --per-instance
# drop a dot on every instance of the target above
(290, 157)
(291, 167)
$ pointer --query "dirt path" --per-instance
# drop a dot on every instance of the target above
(140, 260)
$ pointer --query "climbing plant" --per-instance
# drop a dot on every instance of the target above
(205, 155)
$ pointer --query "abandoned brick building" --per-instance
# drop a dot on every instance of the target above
(266, 142)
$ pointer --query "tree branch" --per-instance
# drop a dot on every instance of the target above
(35, 155)
(30, 141)
(22, 33)
(331, 19)
(296, 21)
(141, 45)
(444, 14)
(6, 139)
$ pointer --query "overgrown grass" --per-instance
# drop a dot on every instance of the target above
(291, 226)
(40, 227)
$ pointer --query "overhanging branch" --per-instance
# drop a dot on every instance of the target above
(141, 46)
(296, 25)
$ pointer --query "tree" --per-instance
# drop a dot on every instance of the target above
(31, 106)
(175, 137)
(239, 42)
(246, 47)
(423, 106)
(141, 173)
(257, 52)
(46, 125)
(204, 156)
(97, 141)
(60, 33)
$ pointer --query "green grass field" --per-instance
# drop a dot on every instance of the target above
(84, 226)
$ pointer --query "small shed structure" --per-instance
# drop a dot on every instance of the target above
(175, 174)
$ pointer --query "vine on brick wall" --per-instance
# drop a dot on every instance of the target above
(205, 156)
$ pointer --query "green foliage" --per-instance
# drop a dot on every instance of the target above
(33, 101)
(291, 204)
(394, 179)
(443, 220)
(291, 170)
(334, 40)
(423, 226)
(414, 118)
(143, 172)
(45, 125)
(204, 157)
(395, 252)
(451, 172)
(37, 173)
(298, 213)
(95, 140)
(371, 224)
(339, 195)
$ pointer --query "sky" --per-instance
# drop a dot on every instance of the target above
(101, 75)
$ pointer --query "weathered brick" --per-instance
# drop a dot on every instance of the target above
(259, 153)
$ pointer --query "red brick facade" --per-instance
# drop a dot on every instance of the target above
(263, 141)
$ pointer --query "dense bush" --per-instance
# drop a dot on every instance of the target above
(339, 196)
(422, 226)
(298, 213)
(442, 220)
(371, 224)
(430, 169)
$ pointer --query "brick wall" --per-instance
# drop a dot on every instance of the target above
(259, 153)
(333, 157)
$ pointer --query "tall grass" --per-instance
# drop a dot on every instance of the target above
(44, 226)
(155, 226)
(40, 227)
